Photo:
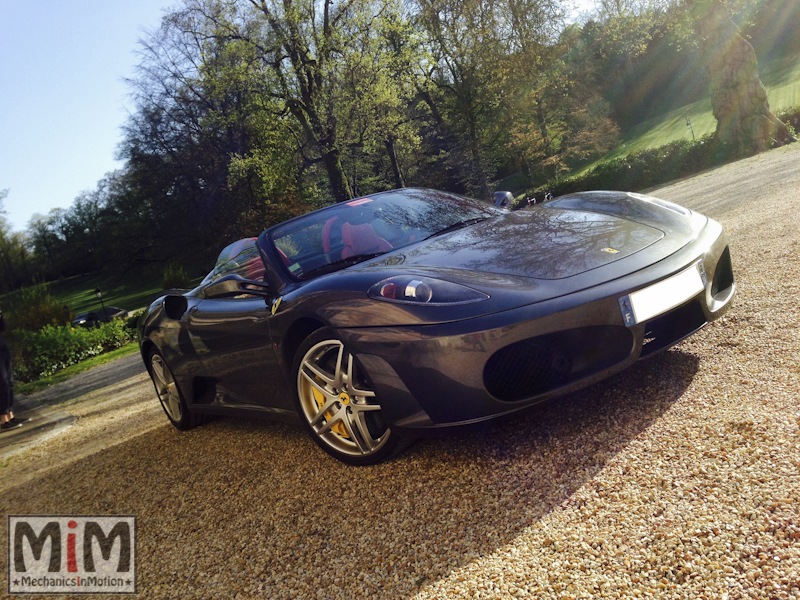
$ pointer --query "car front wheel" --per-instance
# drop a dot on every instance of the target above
(338, 404)
(170, 395)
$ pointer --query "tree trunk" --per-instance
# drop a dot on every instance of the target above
(478, 172)
(738, 98)
(398, 174)
(336, 177)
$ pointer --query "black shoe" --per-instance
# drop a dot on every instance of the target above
(20, 420)
(9, 425)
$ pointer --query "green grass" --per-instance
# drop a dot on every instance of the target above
(78, 293)
(781, 78)
(45, 382)
(667, 128)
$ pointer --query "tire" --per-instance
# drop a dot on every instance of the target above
(337, 405)
(170, 395)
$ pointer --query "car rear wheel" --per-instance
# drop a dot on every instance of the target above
(338, 404)
(170, 395)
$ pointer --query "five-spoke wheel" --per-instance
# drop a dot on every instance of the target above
(338, 403)
(170, 396)
(165, 388)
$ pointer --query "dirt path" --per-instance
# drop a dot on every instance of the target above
(113, 403)
(679, 478)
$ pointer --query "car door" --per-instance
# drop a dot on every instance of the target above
(229, 330)
(232, 339)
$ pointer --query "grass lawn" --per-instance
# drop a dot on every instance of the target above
(78, 292)
(63, 375)
(781, 78)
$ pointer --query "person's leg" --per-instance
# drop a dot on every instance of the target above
(6, 386)
(7, 420)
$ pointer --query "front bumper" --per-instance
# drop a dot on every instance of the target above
(451, 374)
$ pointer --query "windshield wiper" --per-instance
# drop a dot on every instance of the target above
(458, 225)
(341, 263)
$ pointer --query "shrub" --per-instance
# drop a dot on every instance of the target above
(34, 308)
(646, 168)
(132, 320)
(175, 276)
(36, 354)
(791, 117)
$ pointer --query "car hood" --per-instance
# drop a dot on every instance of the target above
(547, 243)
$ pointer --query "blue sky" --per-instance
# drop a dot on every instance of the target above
(63, 97)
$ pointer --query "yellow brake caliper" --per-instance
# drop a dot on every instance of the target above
(337, 428)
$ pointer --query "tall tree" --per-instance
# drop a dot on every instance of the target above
(15, 267)
(486, 56)
(209, 153)
(301, 42)
(738, 98)
(563, 120)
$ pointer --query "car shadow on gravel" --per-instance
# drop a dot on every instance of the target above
(257, 508)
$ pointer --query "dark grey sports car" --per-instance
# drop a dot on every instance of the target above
(374, 320)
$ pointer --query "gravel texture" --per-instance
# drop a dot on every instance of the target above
(679, 478)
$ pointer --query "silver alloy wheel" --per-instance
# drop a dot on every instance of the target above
(166, 388)
(337, 404)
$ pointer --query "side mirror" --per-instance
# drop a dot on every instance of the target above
(234, 285)
(503, 199)
(175, 307)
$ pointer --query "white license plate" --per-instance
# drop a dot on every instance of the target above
(662, 296)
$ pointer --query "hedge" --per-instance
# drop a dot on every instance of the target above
(37, 354)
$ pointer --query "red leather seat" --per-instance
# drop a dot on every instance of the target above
(362, 239)
(283, 257)
(328, 233)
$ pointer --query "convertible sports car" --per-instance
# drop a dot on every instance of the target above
(375, 320)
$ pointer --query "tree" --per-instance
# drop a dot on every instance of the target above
(377, 129)
(564, 120)
(738, 98)
(300, 44)
(15, 267)
(209, 153)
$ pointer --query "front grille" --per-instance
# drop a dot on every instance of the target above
(670, 328)
(540, 364)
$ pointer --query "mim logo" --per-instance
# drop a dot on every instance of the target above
(58, 554)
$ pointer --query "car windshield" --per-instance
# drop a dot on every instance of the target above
(348, 232)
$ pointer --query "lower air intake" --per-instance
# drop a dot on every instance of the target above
(670, 328)
(540, 364)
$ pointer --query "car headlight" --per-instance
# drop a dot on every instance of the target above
(424, 290)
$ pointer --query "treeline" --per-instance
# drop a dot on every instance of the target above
(248, 112)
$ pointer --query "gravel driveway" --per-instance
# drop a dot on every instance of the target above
(679, 478)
